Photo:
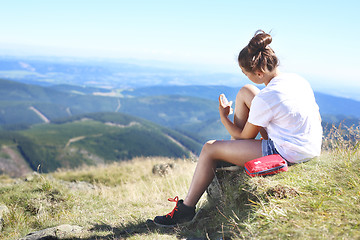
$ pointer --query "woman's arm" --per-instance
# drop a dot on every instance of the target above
(249, 131)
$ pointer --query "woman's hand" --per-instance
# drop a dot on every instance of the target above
(224, 106)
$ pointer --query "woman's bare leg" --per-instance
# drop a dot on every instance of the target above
(234, 151)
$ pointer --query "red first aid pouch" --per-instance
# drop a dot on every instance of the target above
(267, 165)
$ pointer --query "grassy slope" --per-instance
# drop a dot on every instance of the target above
(319, 199)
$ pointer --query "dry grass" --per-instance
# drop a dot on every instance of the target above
(122, 195)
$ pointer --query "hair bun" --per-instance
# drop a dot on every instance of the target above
(259, 42)
(258, 55)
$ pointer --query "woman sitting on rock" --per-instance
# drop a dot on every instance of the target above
(284, 112)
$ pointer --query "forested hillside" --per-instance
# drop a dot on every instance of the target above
(92, 139)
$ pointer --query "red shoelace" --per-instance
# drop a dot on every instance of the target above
(175, 199)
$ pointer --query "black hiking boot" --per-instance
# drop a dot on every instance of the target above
(181, 214)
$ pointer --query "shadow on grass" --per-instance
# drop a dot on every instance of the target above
(105, 231)
(209, 224)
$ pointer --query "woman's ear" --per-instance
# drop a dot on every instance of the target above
(259, 74)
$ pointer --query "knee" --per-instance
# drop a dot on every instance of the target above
(208, 145)
(208, 148)
(247, 89)
(247, 93)
(210, 142)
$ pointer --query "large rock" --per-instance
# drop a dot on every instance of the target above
(59, 232)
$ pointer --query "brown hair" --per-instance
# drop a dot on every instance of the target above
(257, 55)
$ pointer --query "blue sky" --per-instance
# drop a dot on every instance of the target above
(319, 39)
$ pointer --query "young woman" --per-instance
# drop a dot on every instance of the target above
(284, 112)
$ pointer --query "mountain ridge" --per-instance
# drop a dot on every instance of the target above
(69, 100)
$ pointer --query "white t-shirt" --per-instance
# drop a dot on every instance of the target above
(287, 109)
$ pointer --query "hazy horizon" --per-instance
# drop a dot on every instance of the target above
(316, 39)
